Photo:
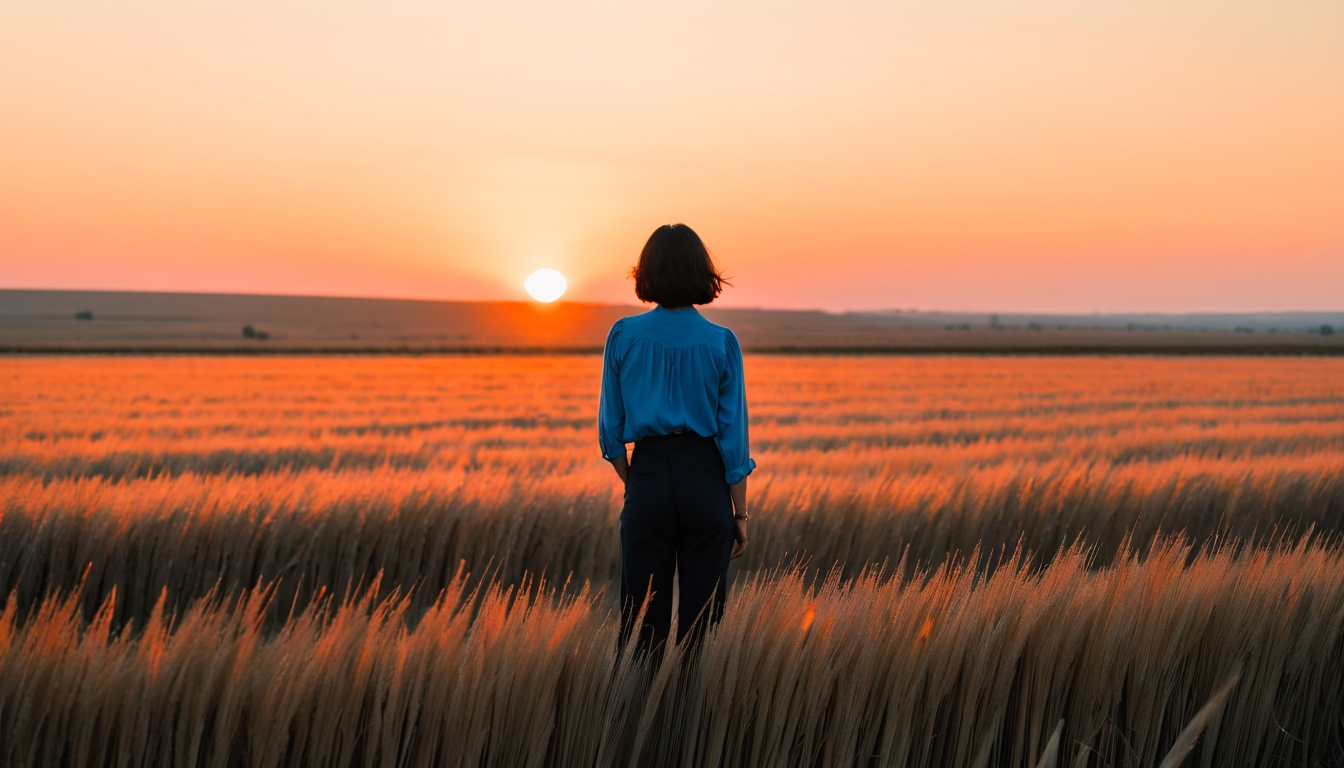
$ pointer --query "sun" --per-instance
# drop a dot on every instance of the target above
(545, 285)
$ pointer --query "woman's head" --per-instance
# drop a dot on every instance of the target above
(675, 269)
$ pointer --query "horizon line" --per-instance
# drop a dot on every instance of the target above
(757, 308)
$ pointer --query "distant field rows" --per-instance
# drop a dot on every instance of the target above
(140, 473)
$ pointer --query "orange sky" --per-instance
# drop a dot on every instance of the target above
(848, 155)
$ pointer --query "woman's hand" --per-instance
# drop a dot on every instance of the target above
(739, 539)
(738, 492)
(622, 467)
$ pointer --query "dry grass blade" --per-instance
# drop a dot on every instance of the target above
(1190, 734)
(1050, 757)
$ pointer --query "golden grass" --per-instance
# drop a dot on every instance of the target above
(315, 530)
(952, 668)
(328, 561)
(322, 472)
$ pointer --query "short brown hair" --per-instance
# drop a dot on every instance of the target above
(675, 269)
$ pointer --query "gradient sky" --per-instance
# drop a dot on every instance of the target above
(971, 155)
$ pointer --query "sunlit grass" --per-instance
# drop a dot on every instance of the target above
(953, 668)
(326, 561)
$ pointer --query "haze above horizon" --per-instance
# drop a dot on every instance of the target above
(1049, 157)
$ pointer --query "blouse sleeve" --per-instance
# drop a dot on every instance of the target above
(732, 436)
(610, 406)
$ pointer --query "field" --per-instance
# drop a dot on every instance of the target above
(130, 322)
(408, 561)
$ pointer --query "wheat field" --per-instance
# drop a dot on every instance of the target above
(405, 561)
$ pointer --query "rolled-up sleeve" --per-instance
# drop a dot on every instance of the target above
(732, 439)
(610, 406)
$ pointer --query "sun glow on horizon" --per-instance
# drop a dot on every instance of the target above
(545, 285)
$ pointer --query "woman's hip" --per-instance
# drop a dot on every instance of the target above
(682, 478)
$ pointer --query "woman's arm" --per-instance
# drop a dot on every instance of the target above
(732, 437)
(738, 491)
(611, 406)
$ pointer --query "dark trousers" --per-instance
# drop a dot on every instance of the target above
(678, 517)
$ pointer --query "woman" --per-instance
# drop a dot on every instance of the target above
(672, 385)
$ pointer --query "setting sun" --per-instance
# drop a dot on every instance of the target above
(545, 285)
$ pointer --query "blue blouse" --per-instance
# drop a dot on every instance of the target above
(668, 370)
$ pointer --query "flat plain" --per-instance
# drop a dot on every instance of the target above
(130, 322)
(391, 560)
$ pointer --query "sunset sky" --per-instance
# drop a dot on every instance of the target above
(961, 155)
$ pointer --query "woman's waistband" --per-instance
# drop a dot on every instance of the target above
(685, 439)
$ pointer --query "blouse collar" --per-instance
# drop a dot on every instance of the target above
(680, 311)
